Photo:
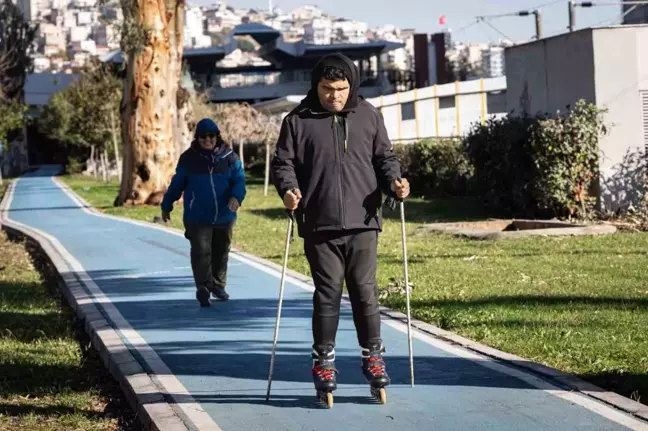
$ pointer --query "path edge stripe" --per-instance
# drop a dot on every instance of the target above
(143, 395)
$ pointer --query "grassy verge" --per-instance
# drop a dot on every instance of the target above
(50, 378)
(577, 304)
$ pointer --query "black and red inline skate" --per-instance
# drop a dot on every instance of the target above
(373, 368)
(324, 376)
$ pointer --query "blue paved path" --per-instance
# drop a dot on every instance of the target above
(221, 354)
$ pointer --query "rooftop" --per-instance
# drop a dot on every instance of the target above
(259, 32)
(39, 87)
(273, 47)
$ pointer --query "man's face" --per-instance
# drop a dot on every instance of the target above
(208, 141)
(333, 95)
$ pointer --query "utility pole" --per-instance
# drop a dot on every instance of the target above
(588, 4)
(538, 20)
(538, 24)
(572, 15)
(536, 13)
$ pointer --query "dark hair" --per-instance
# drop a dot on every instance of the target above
(333, 73)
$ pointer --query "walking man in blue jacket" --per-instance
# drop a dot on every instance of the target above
(212, 179)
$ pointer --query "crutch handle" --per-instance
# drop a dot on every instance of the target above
(392, 201)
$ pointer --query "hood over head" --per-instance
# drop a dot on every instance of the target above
(204, 127)
(350, 72)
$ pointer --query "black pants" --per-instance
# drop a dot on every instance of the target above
(210, 247)
(334, 258)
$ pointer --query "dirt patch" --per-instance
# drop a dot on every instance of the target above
(512, 228)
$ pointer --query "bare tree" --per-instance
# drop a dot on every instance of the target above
(270, 130)
(241, 124)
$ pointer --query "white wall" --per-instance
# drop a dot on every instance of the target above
(621, 73)
(548, 75)
(441, 110)
(605, 66)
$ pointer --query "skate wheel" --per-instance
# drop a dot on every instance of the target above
(329, 399)
(379, 394)
(326, 398)
(382, 396)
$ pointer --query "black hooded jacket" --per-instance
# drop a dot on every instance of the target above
(341, 162)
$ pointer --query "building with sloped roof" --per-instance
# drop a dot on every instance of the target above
(286, 68)
(39, 87)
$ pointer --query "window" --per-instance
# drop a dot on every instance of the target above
(496, 102)
(446, 102)
(407, 111)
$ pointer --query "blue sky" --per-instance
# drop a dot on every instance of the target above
(423, 15)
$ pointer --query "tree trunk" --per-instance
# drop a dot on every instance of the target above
(113, 132)
(241, 152)
(93, 162)
(104, 165)
(267, 169)
(149, 105)
(3, 158)
(183, 128)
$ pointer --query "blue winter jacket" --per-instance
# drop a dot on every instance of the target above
(208, 180)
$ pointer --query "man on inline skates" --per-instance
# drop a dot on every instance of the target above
(333, 162)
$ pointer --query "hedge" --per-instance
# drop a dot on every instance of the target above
(521, 166)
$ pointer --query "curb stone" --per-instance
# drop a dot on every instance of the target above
(145, 398)
(560, 378)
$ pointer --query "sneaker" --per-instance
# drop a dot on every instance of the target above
(220, 293)
(202, 295)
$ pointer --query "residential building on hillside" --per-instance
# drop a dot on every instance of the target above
(492, 60)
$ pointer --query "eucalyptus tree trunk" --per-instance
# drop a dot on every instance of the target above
(149, 112)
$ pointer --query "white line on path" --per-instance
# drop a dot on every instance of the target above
(201, 419)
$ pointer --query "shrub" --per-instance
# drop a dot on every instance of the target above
(436, 167)
(497, 150)
(539, 166)
(74, 166)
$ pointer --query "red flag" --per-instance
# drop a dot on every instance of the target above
(442, 19)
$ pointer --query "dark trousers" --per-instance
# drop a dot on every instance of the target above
(334, 258)
(210, 247)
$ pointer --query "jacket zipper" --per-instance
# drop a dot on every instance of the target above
(211, 179)
(346, 133)
(339, 161)
(191, 202)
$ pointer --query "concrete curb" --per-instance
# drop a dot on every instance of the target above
(143, 395)
(559, 378)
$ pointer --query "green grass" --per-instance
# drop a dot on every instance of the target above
(579, 304)
(46, 381)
